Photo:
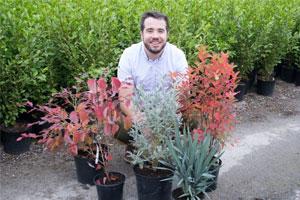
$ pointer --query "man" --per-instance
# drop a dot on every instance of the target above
(145, 63)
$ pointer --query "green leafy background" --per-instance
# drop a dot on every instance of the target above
(45, 44)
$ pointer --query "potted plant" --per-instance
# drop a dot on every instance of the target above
(295, 51)
(297, 69)
(10, 134)
(207, 97)
(84, 123)
(155, 121)
(194, 160)
(244, 50)
(274, 40)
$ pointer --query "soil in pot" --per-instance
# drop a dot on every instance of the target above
(112, 189)
(150, 185)
(9, 136)
(178, 192)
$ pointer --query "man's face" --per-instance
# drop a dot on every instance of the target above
(154, 35)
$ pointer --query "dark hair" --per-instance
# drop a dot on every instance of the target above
(156, 15)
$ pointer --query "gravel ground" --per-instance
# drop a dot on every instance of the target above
(27, 176)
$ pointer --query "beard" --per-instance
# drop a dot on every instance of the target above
(154, 50)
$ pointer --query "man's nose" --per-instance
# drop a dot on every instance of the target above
(155, 34)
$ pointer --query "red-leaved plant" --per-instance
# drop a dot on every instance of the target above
(207, 95)
(86, 129)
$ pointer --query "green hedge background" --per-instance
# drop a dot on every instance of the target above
(45, 44)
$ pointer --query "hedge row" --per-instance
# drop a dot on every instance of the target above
(45, 44)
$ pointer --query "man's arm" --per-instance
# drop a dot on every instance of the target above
(125, 97)
(127, 87)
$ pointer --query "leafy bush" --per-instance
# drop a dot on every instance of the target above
(207, 96)
(275, 36)
(157, 118)
(46, 44)
(22, 62)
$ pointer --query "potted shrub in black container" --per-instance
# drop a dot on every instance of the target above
(10, 135)
(297, 75)
(265, 84)
(194, 161)
(155, 121)
(207, 97)
(86, 128)
(287, 71)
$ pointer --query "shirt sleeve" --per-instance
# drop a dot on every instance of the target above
(124, 68)
(182, 66)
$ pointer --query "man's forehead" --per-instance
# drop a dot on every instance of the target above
(151, 22)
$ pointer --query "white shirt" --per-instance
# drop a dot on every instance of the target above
(137, 68)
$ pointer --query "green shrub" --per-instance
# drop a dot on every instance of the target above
(22, 61)
(276, 33)
(46, 44)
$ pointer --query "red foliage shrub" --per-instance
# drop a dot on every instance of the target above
(207, 96)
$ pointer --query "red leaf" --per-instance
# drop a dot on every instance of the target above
(115, 129)
(74, 117)
(116, 84)
(67, 138)
(99, 112)
(84, 118)
(108, 157)
(82, 136)
(92, 86)
(29, 103)
(76, 137)
(127, 122)
(73, 149)
(101, 83)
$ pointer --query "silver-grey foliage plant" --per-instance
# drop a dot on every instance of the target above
(158, 116)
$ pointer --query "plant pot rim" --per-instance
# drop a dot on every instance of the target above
(136, 167)
(122, 180)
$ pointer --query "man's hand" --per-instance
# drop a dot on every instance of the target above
(125, 97)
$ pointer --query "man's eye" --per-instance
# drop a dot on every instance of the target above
(161, 31)
(149, 30)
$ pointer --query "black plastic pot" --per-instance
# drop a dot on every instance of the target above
(251, 80)
(277, 69)
(215, 171)
(297, 77)
(265, 88)
(241, 91)
(110, 191)
(151, 187)
(9, 138)
(287, 74)
(12, 146)
(178, 192)
(85, 173)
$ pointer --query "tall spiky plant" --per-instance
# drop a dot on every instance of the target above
(192, 161)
